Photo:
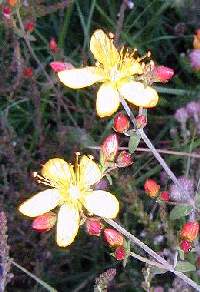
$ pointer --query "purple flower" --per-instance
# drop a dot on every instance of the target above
(181, 115)
(176, 193)
(194, 57)
(193, 108)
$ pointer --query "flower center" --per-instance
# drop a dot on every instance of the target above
(74, 192)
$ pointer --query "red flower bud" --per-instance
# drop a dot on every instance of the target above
(12, 2)
(60, 66)
(94, 226)
(121, 123)
(28, 72)
(151, 188)
(124, 159)
(190, 231)
(113, 237)
(6, 12)
(141, 121)
(164, 196)
(44, 222)
(162, 73)
(120, 253)
(53, 45)
(29, 26)
(109, 147)
(185, 246)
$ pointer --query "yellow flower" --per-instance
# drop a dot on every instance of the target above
(70, 191)
(116, 69)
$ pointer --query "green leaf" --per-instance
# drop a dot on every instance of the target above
(158, 271)
(185, 267)
(133, 142)
(180, 211)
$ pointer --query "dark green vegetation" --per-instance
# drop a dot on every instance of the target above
(40, 119)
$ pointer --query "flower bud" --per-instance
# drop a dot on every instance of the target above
(164, 196)
(6, 12)
(29, 26)
(186, 246)
(120, 253)
(28, 72)
(151, 188)
(124, 159)
(190, 231)
(12, 2)
(44, 222)
(53, 45)
(94, 226)
(196, 40)
(141, 121)
(109, 147)
(162, 73)
(113, 237)
(121, 123)
(60, 66)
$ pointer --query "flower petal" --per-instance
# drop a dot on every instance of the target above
(57, 171)
(136, 93)
(67, 225)
(103, 49)
(40, 203)
(79, 78)
(102, 204)
(89, 171)
(107, 100)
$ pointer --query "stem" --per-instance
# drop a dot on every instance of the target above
(120, 22)
(42, 283)
(147, 261)
(150, 145)
(153, 254)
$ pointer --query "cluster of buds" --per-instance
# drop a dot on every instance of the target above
(152, 189)
(188, 234)
(109, 153)
(112, 237)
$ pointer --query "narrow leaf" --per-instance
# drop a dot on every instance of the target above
(185, 267)
(133, 142)
(180, 211)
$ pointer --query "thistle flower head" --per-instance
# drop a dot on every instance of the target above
(181, 115)
(194, 58)
(177, 195)
(193, 108)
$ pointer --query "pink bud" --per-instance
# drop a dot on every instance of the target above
(164, 196)
(113, 237)
(109, 147)
(121, 123)
(60, 66)
(53, 45)
(185, 246)
(29, 26)
(120, 253)
(124, 159)
(28, 72)
(6, 12)
(94, 226)
(162, 73)
(44, 222)
(141, 121)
